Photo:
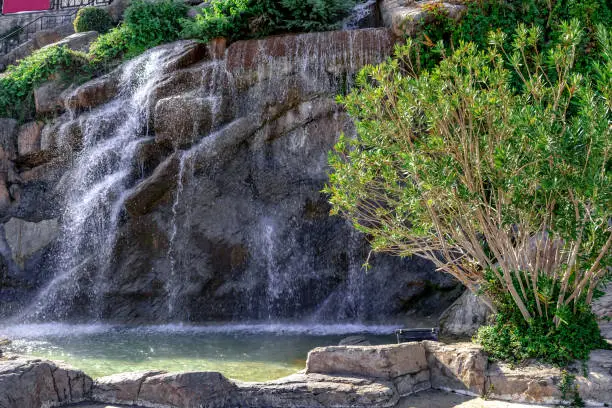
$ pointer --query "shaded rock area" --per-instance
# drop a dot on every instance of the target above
(219, 213)
(405, 17)
(337, 376)
(602, 307)
(463, 318)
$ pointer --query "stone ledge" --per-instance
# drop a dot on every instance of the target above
(339, 376)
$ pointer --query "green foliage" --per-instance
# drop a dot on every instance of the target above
(110, 47)
(18, 83)
(503, 16)
(460, 165)
(154, 22)
(243, 19)
(313, 15)
(569, 390)
(514, 340)
(147, 25)
(93, 19)
(228, 18)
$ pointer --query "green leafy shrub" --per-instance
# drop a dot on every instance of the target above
(92, 19)
(228, 18)
(460, 166)
(111, 46)
(512, 339)
(18, 83)
(313, 15)
(154, 22)
(483, 16)
(147, 25)
(243, 19)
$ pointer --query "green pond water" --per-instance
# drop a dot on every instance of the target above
(243, 352)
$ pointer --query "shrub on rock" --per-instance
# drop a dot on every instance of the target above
(93, 19)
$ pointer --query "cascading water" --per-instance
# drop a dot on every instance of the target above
(235, 226)
(359, 14)
(97, 184)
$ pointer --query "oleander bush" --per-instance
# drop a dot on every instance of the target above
(483, 16)
(92, 19)
(494, 165)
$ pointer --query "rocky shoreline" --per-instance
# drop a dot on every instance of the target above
(336, 376)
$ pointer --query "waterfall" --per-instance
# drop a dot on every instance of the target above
(360, 12)
(96, 190)
(236, 227)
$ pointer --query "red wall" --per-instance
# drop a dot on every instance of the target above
(15, 6)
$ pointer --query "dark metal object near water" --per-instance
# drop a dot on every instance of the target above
(407, 335)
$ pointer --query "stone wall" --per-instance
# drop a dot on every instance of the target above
(339, 376)
(8, 21)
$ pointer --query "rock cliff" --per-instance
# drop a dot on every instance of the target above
(186, 185)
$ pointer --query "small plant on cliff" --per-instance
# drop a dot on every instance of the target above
(155, 22)
(147, 24)
(92, 19)
(18, 84)
(508, 187)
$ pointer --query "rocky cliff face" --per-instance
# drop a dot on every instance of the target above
(186, 186)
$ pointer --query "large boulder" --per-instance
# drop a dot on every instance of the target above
(188, 390)
(154, 388)
(78, 41)
(49, 97)
(180, 120)
(460, 367)
(463, 318)
(602, 307)
(318, 391)
(406, 17)
(533, 383)
(123, 388)
(31, 383)
(596, 386)
(388, 361)
(405, 364)
(8, 138)
(26, 238)
(93, 93)
(28, 140)
(155, 188)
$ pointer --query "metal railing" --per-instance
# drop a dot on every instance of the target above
(23, 34)
(71, 4)
(46, 22)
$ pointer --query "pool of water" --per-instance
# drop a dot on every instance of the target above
(248, 352)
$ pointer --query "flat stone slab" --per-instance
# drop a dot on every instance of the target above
(387, 362)
(443, 399)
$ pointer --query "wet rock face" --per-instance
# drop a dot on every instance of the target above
(28, 383)
(220, 213)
